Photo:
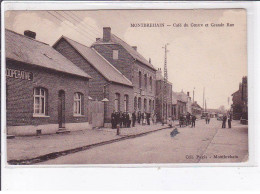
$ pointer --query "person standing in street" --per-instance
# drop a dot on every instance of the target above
(193, 119)
(229, 121)
(224, 121)
(133, 119)
(148, 118)
(113, 119)
(139, 117)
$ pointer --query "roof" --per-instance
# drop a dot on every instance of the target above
(28, 50)
(136, 55)
(179, 96)
(235, 93)
(195, 104)
(99, 62)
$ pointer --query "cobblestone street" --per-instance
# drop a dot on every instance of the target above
(205, 143)
(21, 148)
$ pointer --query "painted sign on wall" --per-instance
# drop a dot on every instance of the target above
(19, 74)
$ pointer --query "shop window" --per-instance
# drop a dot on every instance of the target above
(78, 104)
(115, 54)
(150, 105)
(126, 103)
(40, 101)
(117, 102)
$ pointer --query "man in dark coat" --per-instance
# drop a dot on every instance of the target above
(148, 115)
(188, 118)
(117, 118)
(133, 119)
(127, 119)
(229, 121)
(139, 117)
(113, 120)
(193, 119)
(224, 121)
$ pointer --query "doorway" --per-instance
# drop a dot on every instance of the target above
(61, 109)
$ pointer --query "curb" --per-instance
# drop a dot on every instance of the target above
(54, 155)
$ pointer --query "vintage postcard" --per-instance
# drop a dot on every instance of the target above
(126, 86)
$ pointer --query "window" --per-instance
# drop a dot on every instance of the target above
(140, 79)
(117, 102)
(135, 103)
(151, 83)
(78, 99)
(145, 105)
(145, 81)
(126, 102)
(150, 105)
(139, 103)
(39, 95)
(115, 54)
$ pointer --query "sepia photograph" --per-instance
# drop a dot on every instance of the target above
(88, 87)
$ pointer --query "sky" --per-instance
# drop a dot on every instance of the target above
(214, 58)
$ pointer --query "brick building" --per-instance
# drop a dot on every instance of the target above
(107, 82)
(133, 66)
(160, 95)
(196, 109)
(179, 104)
(240, 101)
(45, 91)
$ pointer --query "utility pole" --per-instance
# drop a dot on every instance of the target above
(164, 93)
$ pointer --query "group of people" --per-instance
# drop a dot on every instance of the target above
(224, 120)
(207, 119)
(125, 119)
(189, 119)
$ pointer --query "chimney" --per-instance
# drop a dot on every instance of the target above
(97, 39)
(106, 34)
(30, 34)
(134, 47)
(150, 61)
(188, 93)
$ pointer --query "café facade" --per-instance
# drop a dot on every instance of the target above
(45, 92)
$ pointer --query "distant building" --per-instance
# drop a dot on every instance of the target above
(179, 104)
(196, 109)
(133, 66)
(160, 95)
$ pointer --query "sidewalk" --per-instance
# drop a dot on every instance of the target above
(21, 148)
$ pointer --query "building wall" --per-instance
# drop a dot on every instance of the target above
(159, 99)
(112, 89)
(124, 63)
(20, 98)
(145, 92)
(130, 68)
(97, 83)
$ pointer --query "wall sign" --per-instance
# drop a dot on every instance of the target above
(18, 74)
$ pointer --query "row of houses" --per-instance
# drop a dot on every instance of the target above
(69, 86)
(239, 106)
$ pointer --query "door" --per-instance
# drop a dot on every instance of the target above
(96, 113)
(61, 109)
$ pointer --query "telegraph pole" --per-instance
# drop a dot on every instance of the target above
(164, 93)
